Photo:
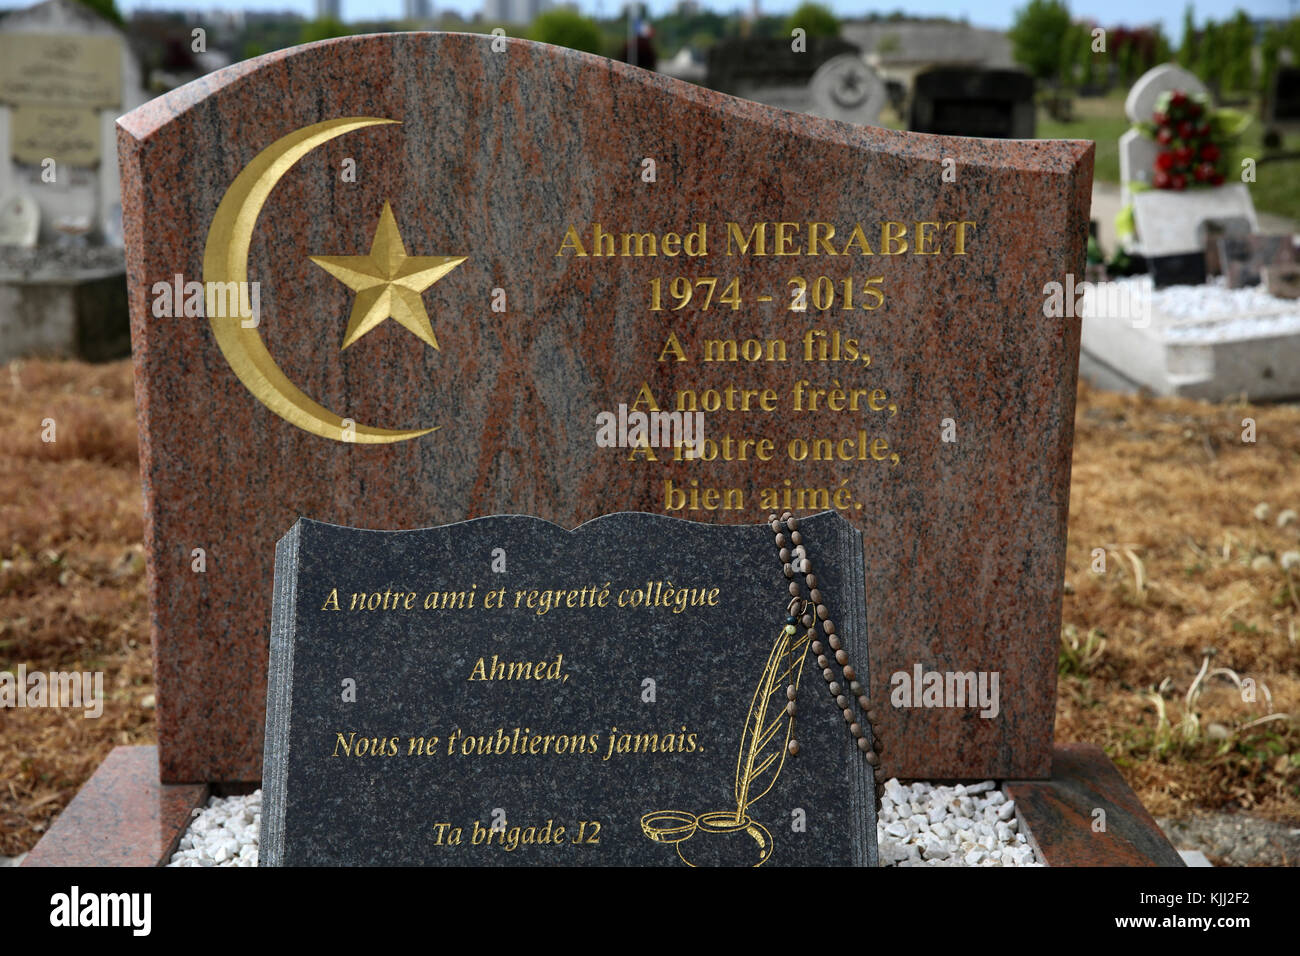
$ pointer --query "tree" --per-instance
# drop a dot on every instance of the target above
(1127, 64)
(1210, 55)
(1161, 51)
(106, 9)
(326, 28)
(1274, 40)
(1089, 77)
(1291, 38)
(1037, 35)
(567, 28)
(1074, 47)
(699, 30)
(1279, 37)
(1187, 48)
(1080, 53)
(1239, 37)
(814, 19)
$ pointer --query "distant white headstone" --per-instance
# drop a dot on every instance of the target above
(1151, 85)
(845, 88)
(20, 220)
(66, 74)
(1169, 222)
(1137, 153)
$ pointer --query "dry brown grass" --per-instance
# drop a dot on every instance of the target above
(1165, 487)
(71, 579)
(1169, 490)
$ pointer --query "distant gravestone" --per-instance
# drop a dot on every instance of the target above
(958, 101)
(65, 76)
(768, 70)
(437, 338)
(1244, 257)
(1282, 281)
(1137, 152)
(1171, 223)
(1181, 268)
(1140, 104)
(1284, 101)
(896, 91)
(616, 695)
(1210, 231)
(845, 88)
(62, 302)
(20, 220)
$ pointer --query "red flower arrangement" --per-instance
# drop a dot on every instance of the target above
(1191, 138)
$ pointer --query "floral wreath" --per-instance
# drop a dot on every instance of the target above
(1193, 140)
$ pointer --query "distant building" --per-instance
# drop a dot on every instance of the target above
(418, 9)
(329, 9)
(513, 11)
(901, 49)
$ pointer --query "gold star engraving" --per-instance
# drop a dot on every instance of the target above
(388, 282)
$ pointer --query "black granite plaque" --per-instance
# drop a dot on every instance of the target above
(972, 101)
(506, 692)
(1182, 268)
(1210, 231)
(1284, 104)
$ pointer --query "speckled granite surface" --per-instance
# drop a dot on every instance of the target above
(122, 817)
(589, 615)
(1060, 815)
(497, 154)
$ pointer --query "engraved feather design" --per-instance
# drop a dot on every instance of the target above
(764, 742)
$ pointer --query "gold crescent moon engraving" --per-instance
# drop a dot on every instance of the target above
(225, 259)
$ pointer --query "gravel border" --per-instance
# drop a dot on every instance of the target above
(920, 825)
(224, 833)
(961, 825)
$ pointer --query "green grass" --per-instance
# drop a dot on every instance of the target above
(1276, 188)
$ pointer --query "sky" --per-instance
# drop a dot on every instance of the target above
(989, 13)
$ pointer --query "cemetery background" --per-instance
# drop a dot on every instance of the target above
(1197, 528)
(1192, 571)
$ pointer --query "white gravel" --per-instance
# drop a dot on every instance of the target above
(970, 824)
(921, 825)
(1209, 313)
(224, 833)
(1215, 300)
(1235, 330)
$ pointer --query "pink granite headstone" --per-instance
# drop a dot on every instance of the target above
(534, 237)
